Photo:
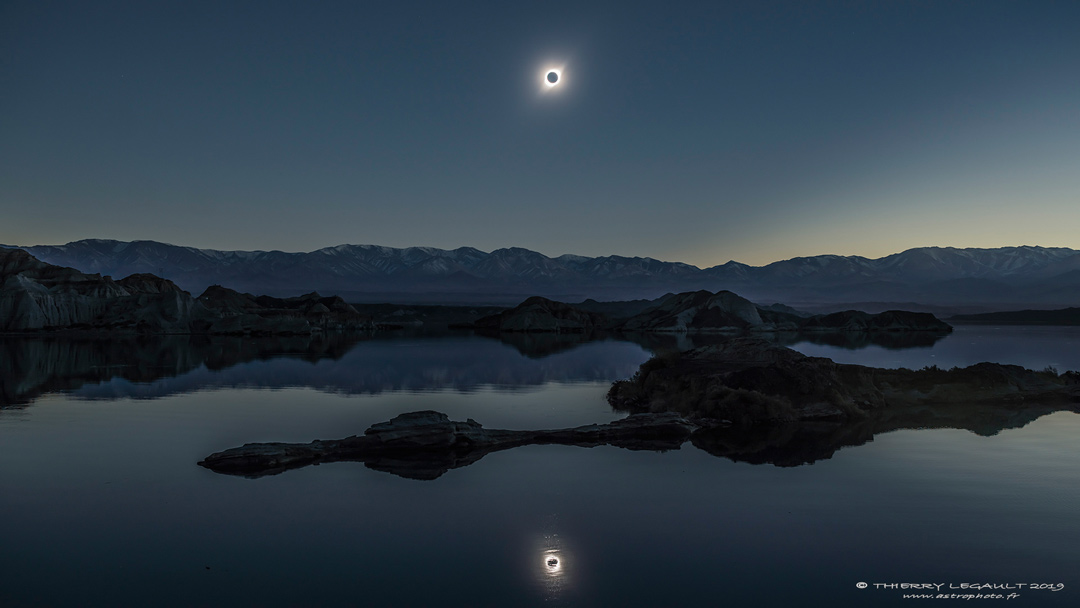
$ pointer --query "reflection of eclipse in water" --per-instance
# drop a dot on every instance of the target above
(553, 564)
(548, 564)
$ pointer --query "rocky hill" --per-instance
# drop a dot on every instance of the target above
(1006, 278)
(699, 311)
(538, 314)
(890, 320)
(245, 313)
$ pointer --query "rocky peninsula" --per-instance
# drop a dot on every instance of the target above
(424, 445)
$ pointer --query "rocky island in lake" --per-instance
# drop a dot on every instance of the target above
(697, 312)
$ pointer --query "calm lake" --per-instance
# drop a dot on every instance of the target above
(102, 503)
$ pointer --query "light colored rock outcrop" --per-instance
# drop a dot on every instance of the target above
(36, 296)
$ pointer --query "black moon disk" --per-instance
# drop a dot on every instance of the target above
(553, 77)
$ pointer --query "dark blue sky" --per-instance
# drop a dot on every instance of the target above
(698, 132)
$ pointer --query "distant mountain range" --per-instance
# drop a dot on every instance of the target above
(929, 278)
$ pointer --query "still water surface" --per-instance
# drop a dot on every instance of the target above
(101, 503)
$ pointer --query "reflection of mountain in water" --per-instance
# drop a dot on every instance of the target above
(339, 363)
(149, 367)
(30, 367)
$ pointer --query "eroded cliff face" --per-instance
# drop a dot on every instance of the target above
(37, 296)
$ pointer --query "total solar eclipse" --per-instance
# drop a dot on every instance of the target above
(552, 78)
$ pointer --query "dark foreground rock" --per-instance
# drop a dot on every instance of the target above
(424, 445)
(751, 381)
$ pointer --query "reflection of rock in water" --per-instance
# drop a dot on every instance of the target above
(790, 445)
(30, 367)
(33, 366)
(351, 363)
(787, 445)
(852, 340)
(537, 345)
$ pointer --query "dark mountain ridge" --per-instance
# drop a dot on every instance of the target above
(991, 279)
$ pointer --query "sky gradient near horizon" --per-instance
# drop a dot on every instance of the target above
(698, 131)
